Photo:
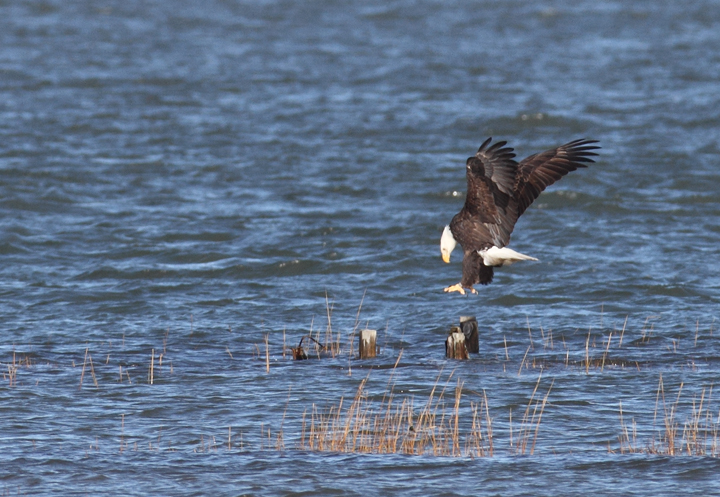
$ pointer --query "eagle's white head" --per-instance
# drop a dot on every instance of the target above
(447, 244)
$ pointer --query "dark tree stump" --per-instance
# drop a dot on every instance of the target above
(469, 326)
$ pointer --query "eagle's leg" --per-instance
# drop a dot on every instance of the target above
(459, 288)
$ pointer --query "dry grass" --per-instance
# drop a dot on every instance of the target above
(397, 426)
(530, 425)
(604, 349)
(313, 344)
(601, 349)
(12, 369)
(92, 369)
(700, 435)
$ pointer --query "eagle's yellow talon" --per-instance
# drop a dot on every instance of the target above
(456, 288)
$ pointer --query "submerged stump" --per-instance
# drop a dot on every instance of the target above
(469, 326)
(299, 353)
(368, 347)
(455, 344)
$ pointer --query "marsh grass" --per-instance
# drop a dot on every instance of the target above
(600, 349)
(12, 368)
(699, 436)
(151, 371)
(530, 424)
(448, 419)
(327, 345)
(439, 425)
(606, 348)
(88, 357)
(397, 426)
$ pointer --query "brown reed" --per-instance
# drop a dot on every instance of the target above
(626, 444)
(397, 426)
(82, 375)
(700, 435)
(12, 371)
(122, 433)
(355, 326)
(92, 371)
(267, 352)
(530, 424)
(151, 373)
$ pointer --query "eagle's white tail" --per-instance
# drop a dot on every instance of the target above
(496, 257)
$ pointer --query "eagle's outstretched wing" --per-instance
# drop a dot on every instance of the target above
(541, 170)
(489, 215)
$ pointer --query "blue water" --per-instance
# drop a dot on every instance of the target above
(187, 179)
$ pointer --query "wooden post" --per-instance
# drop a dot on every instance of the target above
(455, 344)
(368, 348)
(469, 327)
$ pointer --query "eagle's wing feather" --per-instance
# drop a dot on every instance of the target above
(488, 216)
(541, 170)
(499, 164)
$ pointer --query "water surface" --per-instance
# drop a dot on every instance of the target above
(189, 178)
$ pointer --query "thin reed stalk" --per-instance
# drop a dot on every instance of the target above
(151, 373)
(267, 352)
(82, 374)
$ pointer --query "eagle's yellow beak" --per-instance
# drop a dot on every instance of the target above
(446, 258)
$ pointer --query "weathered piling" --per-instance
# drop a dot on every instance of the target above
(455, 344)
(299, 353)
(469, 326)
(368, 347)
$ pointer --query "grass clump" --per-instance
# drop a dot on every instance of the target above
(439, 426)
(396, 426)
(699, 435)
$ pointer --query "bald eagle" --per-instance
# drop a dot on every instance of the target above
(498, 192)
